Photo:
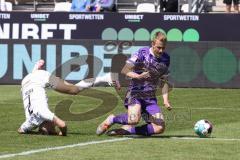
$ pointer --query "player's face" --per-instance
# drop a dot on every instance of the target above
(158, 47)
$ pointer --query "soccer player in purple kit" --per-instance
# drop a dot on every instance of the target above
(146, 69)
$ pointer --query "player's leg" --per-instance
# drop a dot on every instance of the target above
(236, 8)
(65, 87)
(50, 121)
(154, 118)
(235, 5)
(32, 121)
(41, 109)
(228, 5)
(156, 127)
(110, 78)
(62, 86)
(132, 117)
(158, 123)
(228, 8)
(45, 114)
(124, 130)
(49, 127)
(45, 128)
(27, 127)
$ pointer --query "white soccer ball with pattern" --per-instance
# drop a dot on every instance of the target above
(203, 128)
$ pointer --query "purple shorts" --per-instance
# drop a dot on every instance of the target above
(148, 105)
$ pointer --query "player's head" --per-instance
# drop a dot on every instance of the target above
(159, 43)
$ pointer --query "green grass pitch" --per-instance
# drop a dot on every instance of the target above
(220, 106)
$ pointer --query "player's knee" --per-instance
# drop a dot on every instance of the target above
(73, 90)
(159, 129)
(133, 118)
(133, 121)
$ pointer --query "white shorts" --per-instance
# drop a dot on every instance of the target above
(36, 107)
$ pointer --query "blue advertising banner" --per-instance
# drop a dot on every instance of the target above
(202, 64)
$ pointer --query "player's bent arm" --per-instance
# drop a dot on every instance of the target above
(128, 71)
(61, 125)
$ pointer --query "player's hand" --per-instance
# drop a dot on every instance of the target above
(168, 106)
(117, 85)
(144, 75)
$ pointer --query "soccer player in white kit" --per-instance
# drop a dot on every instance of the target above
(35, 99)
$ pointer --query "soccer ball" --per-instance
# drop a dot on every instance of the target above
(203, 128)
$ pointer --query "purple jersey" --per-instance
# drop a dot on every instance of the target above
(144, 60)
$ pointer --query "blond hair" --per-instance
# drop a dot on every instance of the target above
(160, 36)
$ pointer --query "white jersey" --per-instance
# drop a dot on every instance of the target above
(35, 98)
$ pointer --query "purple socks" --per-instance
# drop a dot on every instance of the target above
(145, 130)
(121, 119)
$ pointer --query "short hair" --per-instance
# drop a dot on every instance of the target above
(160, 36)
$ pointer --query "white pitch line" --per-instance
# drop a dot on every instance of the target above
(215, 139)
(104, 141)
(235, 109)
(25, 153)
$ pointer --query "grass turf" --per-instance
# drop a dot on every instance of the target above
(220, 106)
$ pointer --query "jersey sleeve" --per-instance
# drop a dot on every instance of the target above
(137, 57)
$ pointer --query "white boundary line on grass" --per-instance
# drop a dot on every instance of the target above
(62, 147)
(25, 153)
(207, 108)
(197, 138)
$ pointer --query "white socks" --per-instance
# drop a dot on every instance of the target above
(83, 84)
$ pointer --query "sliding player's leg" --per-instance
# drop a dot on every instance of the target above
(110, 78)
(153, 117)
(131, 118)
(154, 122)
(156, 125)
(65, 87)
(62, 86)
